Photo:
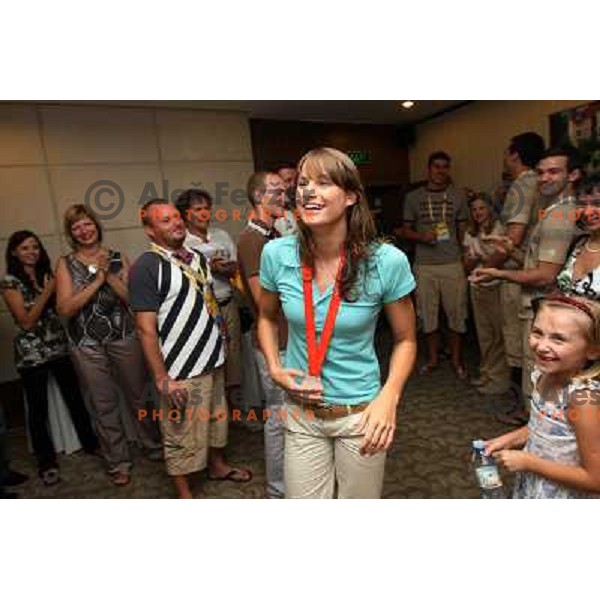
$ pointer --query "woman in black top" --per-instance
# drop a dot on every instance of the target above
(41, 348)
(91, 290)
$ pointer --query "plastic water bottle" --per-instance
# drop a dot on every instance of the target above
(487, 474)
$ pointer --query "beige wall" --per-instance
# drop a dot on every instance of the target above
(477, 134)
(51, 154)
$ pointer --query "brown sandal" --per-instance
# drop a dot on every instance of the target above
(119, 478)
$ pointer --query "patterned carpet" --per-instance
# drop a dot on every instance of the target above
(438, 419)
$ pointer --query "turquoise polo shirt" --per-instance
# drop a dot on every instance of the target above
(351, 371)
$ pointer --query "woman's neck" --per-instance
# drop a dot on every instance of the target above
(327, 241)
(89, 250)
(29, 271)
(595, 237)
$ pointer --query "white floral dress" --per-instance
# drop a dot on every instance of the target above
(551, 436)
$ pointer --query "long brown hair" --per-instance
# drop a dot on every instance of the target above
(361, 235)
(14, 266)
(472, 227)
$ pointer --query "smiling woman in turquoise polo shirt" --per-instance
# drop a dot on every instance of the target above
(332, 279)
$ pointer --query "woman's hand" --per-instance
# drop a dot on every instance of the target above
(470, 260)
(502, 242)
(49, 286)
(310, 396)
(378, 424)
(100, 278)
(114, 279)
(514, 460)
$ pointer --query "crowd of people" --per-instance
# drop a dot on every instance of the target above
(527, 257)
(163, 336)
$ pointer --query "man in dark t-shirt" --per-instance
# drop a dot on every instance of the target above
(266, 194)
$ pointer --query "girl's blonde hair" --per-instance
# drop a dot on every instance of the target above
(591, 308)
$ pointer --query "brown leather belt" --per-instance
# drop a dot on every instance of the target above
(334, 411)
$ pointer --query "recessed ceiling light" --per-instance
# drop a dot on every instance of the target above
(408, 104)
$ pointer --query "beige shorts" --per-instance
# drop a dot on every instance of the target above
(202, 425)
(231, 314)
(446, 283)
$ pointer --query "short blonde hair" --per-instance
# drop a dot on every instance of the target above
(77, 212)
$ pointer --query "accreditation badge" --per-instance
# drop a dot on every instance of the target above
(442, 231)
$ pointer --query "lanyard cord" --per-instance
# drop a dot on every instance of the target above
(316, 353)
(444, 207)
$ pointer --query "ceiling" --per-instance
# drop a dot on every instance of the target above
(332, 111)
(350, 111)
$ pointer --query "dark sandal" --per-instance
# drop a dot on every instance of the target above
(234, 474)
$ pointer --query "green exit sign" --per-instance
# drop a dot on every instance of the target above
(360, 157)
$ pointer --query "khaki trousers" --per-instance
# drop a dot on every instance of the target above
(487, 312)
(110, 374)
(319, 453)
(512, 325)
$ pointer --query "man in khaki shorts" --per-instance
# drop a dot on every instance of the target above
(555, 227)
(183, 335)
(435, 218)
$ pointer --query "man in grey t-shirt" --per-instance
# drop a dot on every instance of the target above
(435, 217)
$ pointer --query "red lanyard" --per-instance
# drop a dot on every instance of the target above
(316, 354)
